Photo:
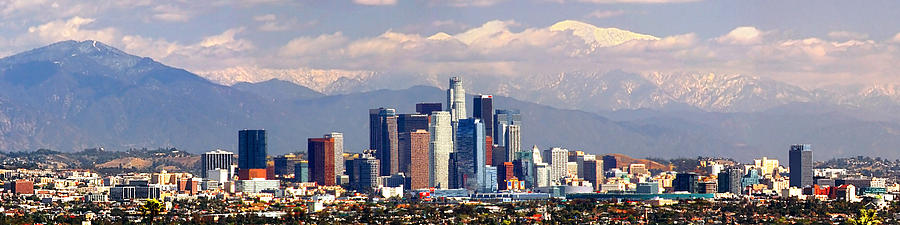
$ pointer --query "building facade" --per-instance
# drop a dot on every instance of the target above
(216, 159)
(439, 149)
(456, 100)
(469, 154)
(252, 149)
(383, 139)
(801, 165)
(320, 153)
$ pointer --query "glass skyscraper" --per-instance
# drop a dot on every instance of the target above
(469, 154)
(801, 157)
(252, 149)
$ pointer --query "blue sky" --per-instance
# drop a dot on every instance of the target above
(809, 43)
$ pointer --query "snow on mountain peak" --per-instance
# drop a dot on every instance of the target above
(600, 37)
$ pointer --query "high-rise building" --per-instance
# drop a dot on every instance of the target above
(505, 173)
(215, 160)
(301, 171)
(338, 152)
(489, 151)
(593, 172)
(557, 159)
(364, 172)
(284, 165)
(767, 165)
(513, 140)
(484, 110)
(411, 122)
(609, 162)
(801, 157)
(730, 181)
(470, 155)
(383, 139)
(251, 149)
(414, 157)
(439, 149)
(499, 156)
(428, 108)
(542, 175)
(502, 119)
(490, 184)
(686, 182)
(456, 100)
(320, 152)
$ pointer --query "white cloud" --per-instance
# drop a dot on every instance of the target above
(71, 29)
(603, 14)
(741, 36)
(847, 35)
(375, 2)
(170, 13)
(305, 46)
(896, 38)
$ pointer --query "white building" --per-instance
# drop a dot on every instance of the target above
(256, 185)
(456, 100)
(439, 148)
(557, 158)
(542, 174)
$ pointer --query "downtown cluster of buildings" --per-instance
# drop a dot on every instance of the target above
(439, 153)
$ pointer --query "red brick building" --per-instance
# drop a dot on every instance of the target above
(321, 161)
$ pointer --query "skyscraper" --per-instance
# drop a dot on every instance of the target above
(456, 100)
(484, 110)
(557, 159)
(439, 148)
(284, 164)
(364, 172)
(609, 162)
(301, 171)
(252, 149)
(383, 139)
(320, 153)
(428, 108)
(593, 172)
(470, 156)
(414, 155)
(217, 160)
(338, 152)
(686, 182)
(730, 181)
(502, 119)
(801, 157)
(411, 122)
(513, 140)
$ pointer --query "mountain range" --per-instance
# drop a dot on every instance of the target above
(74, 95)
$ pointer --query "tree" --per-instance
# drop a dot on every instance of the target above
(151, 209)
(865, 217)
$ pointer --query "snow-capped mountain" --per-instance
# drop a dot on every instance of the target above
(599, 37)
(324, 81)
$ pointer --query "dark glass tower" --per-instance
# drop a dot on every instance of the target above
(484, 110)
(428, 107)
(730, 181)
(686, 182)
(383, 139)
(470, 154)
(252, 149)
(411, 122)
(801, 157)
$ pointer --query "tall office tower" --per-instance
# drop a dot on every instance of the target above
(505, 173)
(301, 171)
(489, 180)
(383, 139)
(542, 175)
(456, 100)
(609, 162)
(428, 108)
(499, 156)
(439, 149)
(217, 160)
(524, 168)
(364, 172)
(513, 140)
(489, 151)
(502, 119)
(581, 159)
(730, 181)
(338, 153)
(557, 158)
(593, 172)
(686, 182)
(320, 153)
(801, 157)
(414, 158)
(251, 149)
(284, 164)
(411, 122)
(484, 110)
(470, 158)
